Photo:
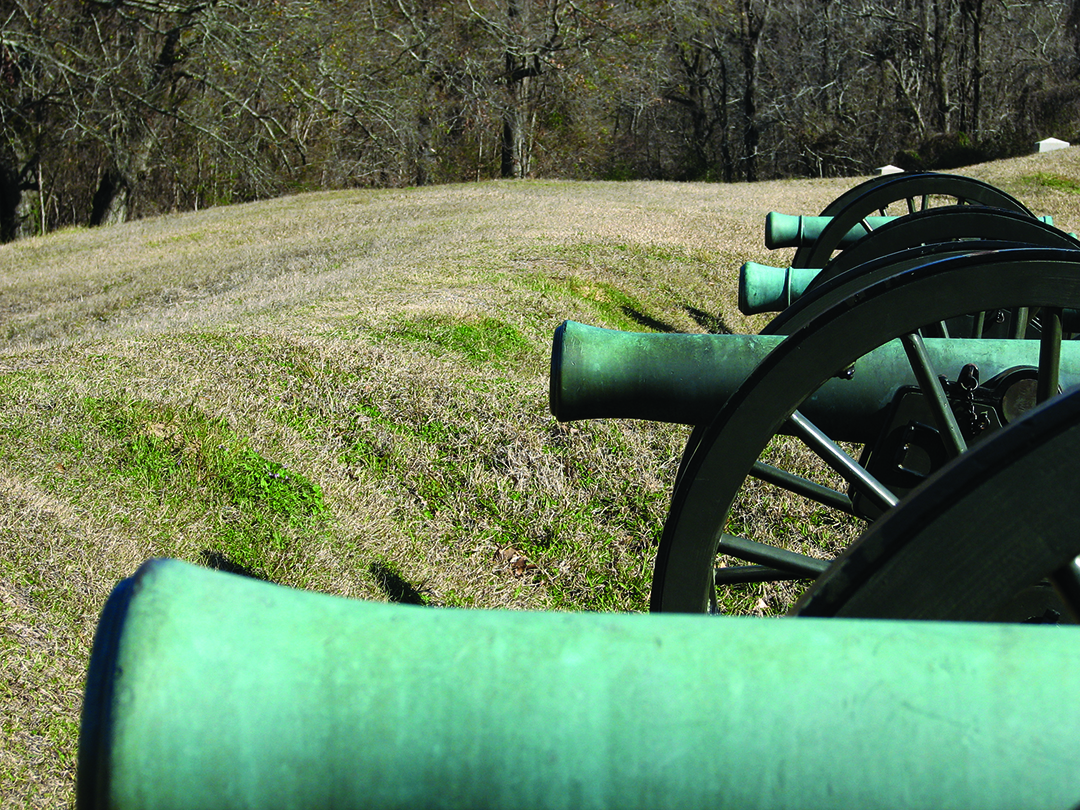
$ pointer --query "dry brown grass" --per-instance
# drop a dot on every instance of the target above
(336, 334)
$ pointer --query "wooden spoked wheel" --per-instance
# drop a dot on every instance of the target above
(936, 233)
(723, 454)
(898, 195)
(976, 540)
(948, 225)
(840, 286)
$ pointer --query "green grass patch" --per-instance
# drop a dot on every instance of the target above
(252, 480)
(1055, 181)
(487, 341)
(159, 444)
(188, 463)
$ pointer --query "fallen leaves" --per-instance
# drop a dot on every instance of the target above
(517, 563)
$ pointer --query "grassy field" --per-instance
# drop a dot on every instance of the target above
(347, 392)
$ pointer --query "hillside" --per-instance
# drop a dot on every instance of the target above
(347, 392)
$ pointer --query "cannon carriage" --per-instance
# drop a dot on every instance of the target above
(851, 360)
(846, 236)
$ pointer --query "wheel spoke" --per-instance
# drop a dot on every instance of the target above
(1049, 354)
(771, 556)
(931, 388)
(748, 574)
(979, 325)
(1020, 324)
(1067, 578)
(841, 462)
(803, 486)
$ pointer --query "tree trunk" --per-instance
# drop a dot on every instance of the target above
(10, 196)
(20, 199)
(725, 139)
(516, 143)
(976, 68)
(1072, 25)
(112, 200)
(752, 24)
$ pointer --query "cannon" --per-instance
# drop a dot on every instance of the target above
(937, 232)
(681, 378)
(903, 193)
(210, 690)
(796, 230)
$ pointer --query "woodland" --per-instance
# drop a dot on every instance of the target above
(116, 109)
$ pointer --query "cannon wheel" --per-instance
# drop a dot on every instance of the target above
(1008, 517)
(946, 225)
(842, 285)
(853, 193)
(720, 456)
(908, 192)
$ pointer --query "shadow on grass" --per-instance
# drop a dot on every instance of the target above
(219, 562)
(395, 588)
(647, 320)
(713, 324)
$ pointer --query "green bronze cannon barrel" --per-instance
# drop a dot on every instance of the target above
(681, 378)
(209, 690)
(763, 288)
(771, 289)
(789, 230)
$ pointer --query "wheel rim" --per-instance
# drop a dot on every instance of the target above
(946, 225)
(912, 192)
(720, 456)
(840, 286)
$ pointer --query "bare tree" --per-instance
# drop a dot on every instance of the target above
(117, 108)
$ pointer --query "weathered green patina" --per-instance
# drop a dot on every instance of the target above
(208, 690)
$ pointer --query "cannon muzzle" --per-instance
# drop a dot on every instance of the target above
(771, 289)
(681, 378)
(210, 690)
